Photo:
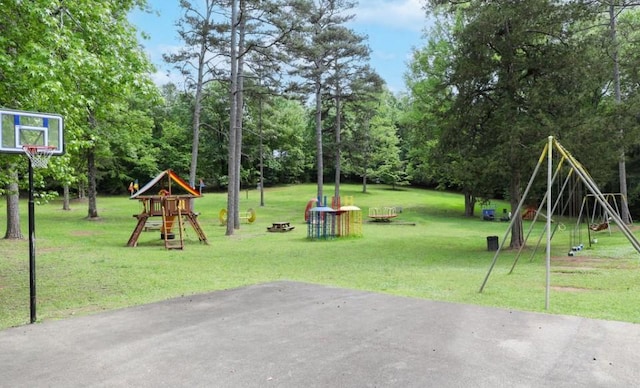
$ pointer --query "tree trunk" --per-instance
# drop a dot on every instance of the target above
(365, 159)
(622, 167)
(231, 168)
(82, 190)
(239, 111)
(13, 208)
(92, 189)
(319, 157)
(197, 108)
(469, 204)
(261, 153)
(65, 197)
(625, 215)
(517, 234)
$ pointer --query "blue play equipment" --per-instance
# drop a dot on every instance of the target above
(322, 222)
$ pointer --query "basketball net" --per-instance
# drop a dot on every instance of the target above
(39, 155)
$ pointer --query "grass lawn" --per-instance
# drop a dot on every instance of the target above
(429, 251)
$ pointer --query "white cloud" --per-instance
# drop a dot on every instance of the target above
(399, 14)
(161, 77)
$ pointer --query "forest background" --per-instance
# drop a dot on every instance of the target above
(281, 91)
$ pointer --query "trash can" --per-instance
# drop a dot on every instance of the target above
(492, 243)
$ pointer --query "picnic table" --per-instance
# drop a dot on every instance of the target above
(280, 227)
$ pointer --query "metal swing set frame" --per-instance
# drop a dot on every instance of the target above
(583, 176)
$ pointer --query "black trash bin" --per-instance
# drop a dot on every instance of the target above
(492, 243)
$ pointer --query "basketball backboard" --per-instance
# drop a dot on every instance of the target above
(19, 129)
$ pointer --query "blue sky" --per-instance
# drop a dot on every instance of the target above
(393, 28)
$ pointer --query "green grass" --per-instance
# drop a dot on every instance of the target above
(84, 266)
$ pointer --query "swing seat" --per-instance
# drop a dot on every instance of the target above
(599, 227)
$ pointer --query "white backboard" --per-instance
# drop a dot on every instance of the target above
(19, 128)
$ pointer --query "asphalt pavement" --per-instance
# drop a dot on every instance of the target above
(289, 334)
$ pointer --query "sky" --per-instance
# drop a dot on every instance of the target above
(393, 28)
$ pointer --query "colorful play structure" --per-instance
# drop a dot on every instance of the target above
(329, 222)
(167, 203)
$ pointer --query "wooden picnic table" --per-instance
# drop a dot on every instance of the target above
(280, 227)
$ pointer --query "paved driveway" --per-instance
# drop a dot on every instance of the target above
(288, 334)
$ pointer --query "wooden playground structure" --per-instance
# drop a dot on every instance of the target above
(172, 203)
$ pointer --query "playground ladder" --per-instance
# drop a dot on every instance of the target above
(191, 217)
(167, 223)
(133, 240)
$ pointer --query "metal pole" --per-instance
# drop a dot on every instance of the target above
(549, 215)
(515, 214)
(32, 248)
(535, 218)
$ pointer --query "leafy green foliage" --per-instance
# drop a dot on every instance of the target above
(496, 79)
(372, 146)
(284, 125)
(81, 60)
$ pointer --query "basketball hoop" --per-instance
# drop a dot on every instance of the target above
(39, 155)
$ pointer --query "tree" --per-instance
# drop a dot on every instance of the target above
(312, 48)
(197, 61)
(614, 10)
(13, 231)
(624, 112)
(264, 84)
(104, 66)
(215, 131)
(447, 129)
(372, 145)
(347, 72)
(233, 178)
(27, 82)
(360, 142)
(426, 109)
(31, 69)
(386, 163)
(131, 153)
(284, 123)
(509, 71)
(169, 137)
(257, 26)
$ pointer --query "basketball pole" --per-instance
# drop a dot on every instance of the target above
(32, 248)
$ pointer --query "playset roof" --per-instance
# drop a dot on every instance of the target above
(173, 182)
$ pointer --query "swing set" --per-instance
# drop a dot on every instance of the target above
(600, 218)
(595, 202)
